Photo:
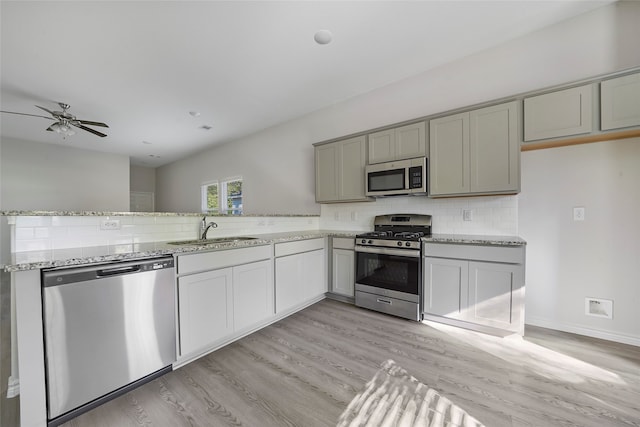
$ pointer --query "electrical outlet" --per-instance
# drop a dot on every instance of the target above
(578, 213)
(467, 215)
(598, 307)
(110, 224)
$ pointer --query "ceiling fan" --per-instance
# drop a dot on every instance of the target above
(64, 120)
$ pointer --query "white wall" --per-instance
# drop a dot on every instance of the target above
(53, 177)
(567, 260)
(142, 179)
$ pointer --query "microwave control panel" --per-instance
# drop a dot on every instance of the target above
(415, 177)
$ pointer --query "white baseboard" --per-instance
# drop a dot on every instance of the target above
(581, 330)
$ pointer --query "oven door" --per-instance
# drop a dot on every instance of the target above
(392, 272)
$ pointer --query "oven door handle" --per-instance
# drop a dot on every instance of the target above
(409, 253)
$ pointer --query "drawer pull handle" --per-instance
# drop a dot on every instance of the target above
(384, 301)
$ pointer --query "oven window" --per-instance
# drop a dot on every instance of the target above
(390, 272)
(386, 180)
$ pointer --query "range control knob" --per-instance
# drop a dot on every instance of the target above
(363, 241)
(407, 244)
(399, 243)
(370, 241)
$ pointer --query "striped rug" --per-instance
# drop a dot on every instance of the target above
(393, 398)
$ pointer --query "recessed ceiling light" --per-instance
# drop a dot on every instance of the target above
(194, 113)
(146, 142)
(323, 37)
(206, 127)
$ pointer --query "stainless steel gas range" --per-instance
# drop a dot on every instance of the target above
(389, 265)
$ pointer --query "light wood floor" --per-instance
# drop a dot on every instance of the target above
(304, 370)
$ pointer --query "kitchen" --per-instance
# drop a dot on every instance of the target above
(596, 176)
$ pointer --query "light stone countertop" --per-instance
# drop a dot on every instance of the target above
(34, 260)
(470, 239)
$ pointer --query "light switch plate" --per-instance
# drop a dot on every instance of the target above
(578, 213)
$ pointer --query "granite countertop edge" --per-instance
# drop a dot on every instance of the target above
(470, 239)
(104, 254)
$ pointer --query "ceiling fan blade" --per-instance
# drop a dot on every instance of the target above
(90, 123)
(49, 128)
(25, 114)
(95, 132)
(48, 111)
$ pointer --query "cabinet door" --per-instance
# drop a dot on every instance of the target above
(382, 146)
(491, 287)
(352, 160)
(313, 274)
(343, 274)
(494, 149)
(411, 141)
(326, 173)
(252, 294)
(449, 155)
(446, 287)
(620, 102)
(206, 309)
(288, 282)
(562, 113)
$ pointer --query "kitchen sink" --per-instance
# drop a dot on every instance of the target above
(212, 241)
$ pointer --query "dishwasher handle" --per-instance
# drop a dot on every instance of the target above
(108, 272)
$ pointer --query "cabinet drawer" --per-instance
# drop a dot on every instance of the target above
(344, 243)
(503, 254)
(290, 248)
(219, 259)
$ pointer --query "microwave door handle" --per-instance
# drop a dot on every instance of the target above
(406, 178)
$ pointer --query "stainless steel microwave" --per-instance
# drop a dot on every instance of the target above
(402, 177)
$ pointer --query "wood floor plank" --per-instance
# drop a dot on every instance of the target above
(304, 370)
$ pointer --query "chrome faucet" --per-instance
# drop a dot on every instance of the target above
(204, 227)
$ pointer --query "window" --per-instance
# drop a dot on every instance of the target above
(223, 197)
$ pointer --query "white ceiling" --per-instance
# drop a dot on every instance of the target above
(142, 66)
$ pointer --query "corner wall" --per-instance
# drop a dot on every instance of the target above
(567, 260)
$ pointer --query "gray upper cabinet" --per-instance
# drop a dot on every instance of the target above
(340, 170)
(476, 152)
(404, 142)
(620, 102)
(563, 113)
(449, 155)
(495, 149)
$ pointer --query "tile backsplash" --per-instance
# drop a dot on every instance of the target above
(494, 215)
(490, 215)
(35, 233)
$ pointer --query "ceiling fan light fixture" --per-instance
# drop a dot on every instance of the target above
(62, 128)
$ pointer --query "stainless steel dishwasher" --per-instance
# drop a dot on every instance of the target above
(108, 328)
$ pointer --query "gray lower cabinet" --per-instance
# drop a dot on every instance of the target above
(478, 285)
(557, 114)
(205, 306)
(620, 102)
(340, 170)
(222, 293)
(343, 267)
(476, 152)
(300, 272)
